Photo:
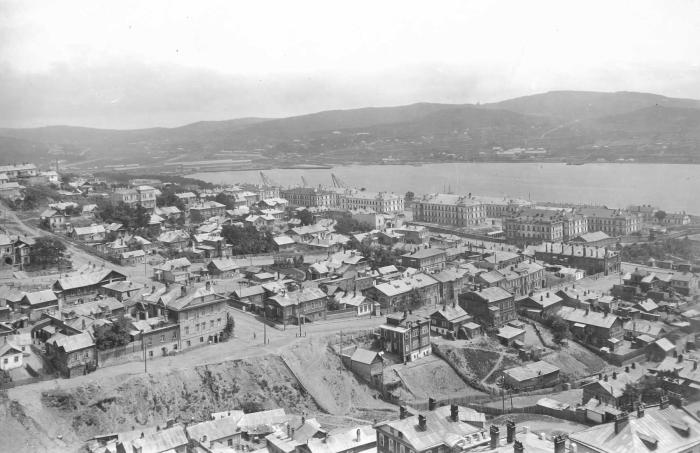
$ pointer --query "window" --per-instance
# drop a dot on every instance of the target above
(189, 343)
(162, 338)
(402, 449)
(230, 442)
(16, 358)
(391, 444)
(187, 330)
(5, 361)
(201, 339)
(150, 353)
(380, 437)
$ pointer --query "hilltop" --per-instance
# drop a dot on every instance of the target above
(565, 123)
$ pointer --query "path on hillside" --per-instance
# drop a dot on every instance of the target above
(495, 367)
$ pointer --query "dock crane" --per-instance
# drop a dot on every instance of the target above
(267, 181)
(337, 182)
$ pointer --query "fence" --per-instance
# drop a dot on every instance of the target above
(131, 351)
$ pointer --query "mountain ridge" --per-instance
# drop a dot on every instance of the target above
(562, 121)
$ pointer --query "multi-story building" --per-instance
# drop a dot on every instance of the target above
(676, 218)
(73, 354)
(492, 306)
(535, 225)
(126, 196)
(518, 279)
(187, 199)
(663, 429)
(646, 212)
(406, 335)
(306, 304)
(439, 430)
(16, 171)
(146, 196)
(593, 260)
(449, 209)
(592, 327)
(205, 210)
(309, 197)
(425, 259)
(141, 195)
(200, 312)
(406, 293)
(382, 202)
(613, 222)
(497, 207)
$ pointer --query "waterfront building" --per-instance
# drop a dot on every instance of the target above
(613, 222)
(449, 209)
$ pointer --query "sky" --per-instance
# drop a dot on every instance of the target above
(133, 64)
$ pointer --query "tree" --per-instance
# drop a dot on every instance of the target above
(660, 215)
(306, 217)
(230, 325)
(560, 329)
(47, 250)
(112, 335)
(409, 196)
(247, 240)
(347, 225)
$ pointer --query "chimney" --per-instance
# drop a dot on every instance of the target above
(183, 291)
(431, 404)
(518, 447)
(627, 369)
(204, 439)
(634, 365)
(621, 421)
(600, 376)
(605, 378)
(454, 412)
(494, 431)
(510, 431)
(403, 413)
(695, 365)
(680, 358)
(614, 375)
(422, 424)
(559, 444)
(640, 410)
(358, 435)
(663, 403)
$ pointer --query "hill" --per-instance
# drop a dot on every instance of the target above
(567, 106)
(565, 123)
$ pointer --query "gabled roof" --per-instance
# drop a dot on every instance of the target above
(40, 297)
(365, 356)
(531, 371)
(296, 297)
(248, 291)
(71, 343)
(8, 349)
(659, 430)
(162, 441)
(450, 313)
(591, 318)
(665, 344)
(441, 430)
(493, 294)
(177, 263)
(92, 229)
(214, 430)
(254, 419)
(86, 279)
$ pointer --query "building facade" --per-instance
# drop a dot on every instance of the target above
(449, 209)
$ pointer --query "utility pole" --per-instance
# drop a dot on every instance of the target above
(143, 346)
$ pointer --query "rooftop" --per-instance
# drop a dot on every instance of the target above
(531, 371)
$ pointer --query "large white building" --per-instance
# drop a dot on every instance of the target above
(449, 209)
